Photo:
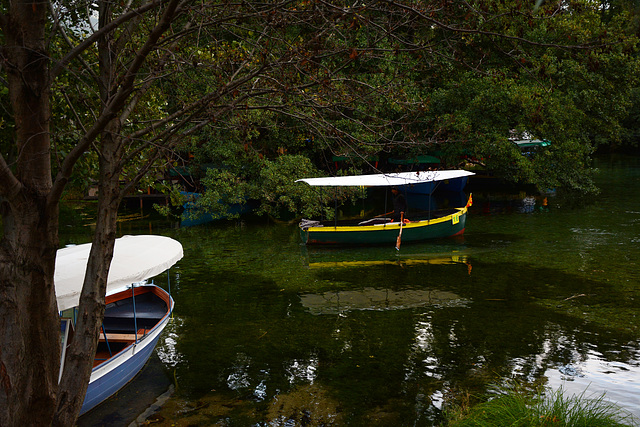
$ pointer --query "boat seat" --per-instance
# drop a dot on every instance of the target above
(121, 337)
(375, 221)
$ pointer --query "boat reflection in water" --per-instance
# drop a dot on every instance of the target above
(443, 252)
(381, 298)
(400, 261)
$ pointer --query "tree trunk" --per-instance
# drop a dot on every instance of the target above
(79, 358)
(29, 323)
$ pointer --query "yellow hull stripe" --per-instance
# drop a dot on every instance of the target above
(453, 218)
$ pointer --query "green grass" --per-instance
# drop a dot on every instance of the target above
(520, 407)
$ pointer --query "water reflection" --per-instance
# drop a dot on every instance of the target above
(243, 377)
(269, 332)
(166, 347)
(442, 252)
(302, 370)
(595, 374)
(337, 302)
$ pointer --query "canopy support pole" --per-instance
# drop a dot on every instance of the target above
(385, 199)
(135, 319)
(169, 285)
(335, 214)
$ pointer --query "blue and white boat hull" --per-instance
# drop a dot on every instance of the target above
(113, 374)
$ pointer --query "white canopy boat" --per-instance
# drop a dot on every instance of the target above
(375, 231)
(388, 179)
(136, 312)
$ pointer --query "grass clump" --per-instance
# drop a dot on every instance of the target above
(520, 407)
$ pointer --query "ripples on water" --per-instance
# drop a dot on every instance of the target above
(268, 332)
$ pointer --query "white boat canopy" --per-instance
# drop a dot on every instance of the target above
(135, 258)
(387, 179)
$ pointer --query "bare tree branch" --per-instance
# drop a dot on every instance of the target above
(89, 41)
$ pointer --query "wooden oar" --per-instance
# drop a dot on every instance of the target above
(398, 240)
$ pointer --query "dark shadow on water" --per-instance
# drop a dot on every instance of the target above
(406, 333)
(267, 329)
(132, 400)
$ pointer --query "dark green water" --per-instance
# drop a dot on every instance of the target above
(269, 332)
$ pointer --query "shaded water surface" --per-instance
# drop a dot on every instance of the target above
(269, 332)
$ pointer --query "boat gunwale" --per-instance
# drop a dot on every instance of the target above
(387, 226)
(144, 339)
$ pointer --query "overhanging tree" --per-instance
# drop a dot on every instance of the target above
(107, 76)
(114, 71)
(135, 80)
(459, 79)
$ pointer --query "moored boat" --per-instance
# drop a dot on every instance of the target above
(427, 225)
(135, 314)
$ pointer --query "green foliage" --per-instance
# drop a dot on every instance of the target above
(517, 406)
(280, 193)
(273, 188)
(222, 190)
(457, 79)
(377, 80)
(631, 124)
(561, 74)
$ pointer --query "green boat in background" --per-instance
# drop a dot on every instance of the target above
(379, 231)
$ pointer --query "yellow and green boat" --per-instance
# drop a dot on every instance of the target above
(379, 231)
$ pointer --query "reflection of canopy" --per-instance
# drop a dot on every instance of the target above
(386, 180)
(442, 260)
(377, 299)
(135, 258)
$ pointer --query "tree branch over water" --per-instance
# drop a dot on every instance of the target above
(247, 84)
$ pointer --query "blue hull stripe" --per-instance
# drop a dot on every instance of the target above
(121, 368)
(108, 384)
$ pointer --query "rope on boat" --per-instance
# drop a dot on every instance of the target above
(306, 223)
